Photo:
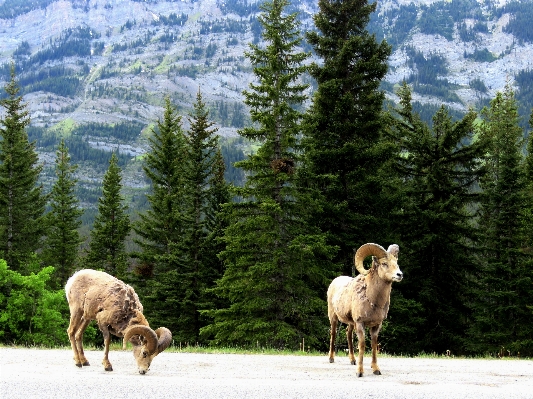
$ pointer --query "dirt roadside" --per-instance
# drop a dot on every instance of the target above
(34, 373)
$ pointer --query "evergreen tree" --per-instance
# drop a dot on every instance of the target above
(524, 344)
(439, 167)
(502, 315)
(111, 226)
(61, 245)
(273, 281)
(345, 150)
(529, 158)
(193, 275)
(216, 222)
(22, 202)
(161, 227)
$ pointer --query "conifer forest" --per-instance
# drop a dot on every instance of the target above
(246, 262)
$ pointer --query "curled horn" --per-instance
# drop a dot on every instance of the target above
(147, 333)
(366, 250)
(164, 338)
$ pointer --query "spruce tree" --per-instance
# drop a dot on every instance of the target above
(274, 280)
(62, 242)
(193, 275)
(525, 340)
(161, 228)
(22, 201)
(440, 167)
(215, 222)
(344, 144)
(107, 250)
(502, 317)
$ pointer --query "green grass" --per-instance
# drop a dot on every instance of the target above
(63, 128)
(117, 346)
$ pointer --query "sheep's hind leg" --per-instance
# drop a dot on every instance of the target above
(75, 332)
(360, 329)
(349, 338)
(79, 342)
(71, 331)
(374, 331)
(333, 334)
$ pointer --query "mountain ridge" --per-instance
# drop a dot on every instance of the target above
(82, 63)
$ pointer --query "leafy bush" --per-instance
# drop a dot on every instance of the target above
(30, 313)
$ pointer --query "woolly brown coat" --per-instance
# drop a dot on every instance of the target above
(95, 295)
(363, 302)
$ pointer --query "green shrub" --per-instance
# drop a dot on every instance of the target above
(30, 313)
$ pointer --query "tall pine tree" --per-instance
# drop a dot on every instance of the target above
(162, 227)
(440, 168)
(502, 308)
(216, 222)
(195, 274)
(63, 239)
(111, 226)
(274, 280)
(345, 150)
(22, 201)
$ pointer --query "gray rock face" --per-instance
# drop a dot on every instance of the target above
(139, 55)
(138, 52)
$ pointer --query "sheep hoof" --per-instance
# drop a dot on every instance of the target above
(78, 365)
(353, 362)
(359, 374)
(109, 368)
(331, 360)
(377, 372)
(86, 363)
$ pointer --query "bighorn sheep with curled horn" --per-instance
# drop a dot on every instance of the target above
(363, 301)
(95, 295)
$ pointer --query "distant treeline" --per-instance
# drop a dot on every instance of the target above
(240, 7)
(520, 23)
(14, 8)
(82, 152)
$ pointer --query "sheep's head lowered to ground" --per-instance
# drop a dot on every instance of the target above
(363, 302)
(149, 344)
(95, 295)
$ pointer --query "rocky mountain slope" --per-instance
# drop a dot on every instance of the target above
(97, 71)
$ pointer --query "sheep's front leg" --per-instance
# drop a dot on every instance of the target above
(374, 331)
(360, 330)
(107, 341)
(349, 338)
(332, 336)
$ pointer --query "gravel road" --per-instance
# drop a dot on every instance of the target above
(35, 373)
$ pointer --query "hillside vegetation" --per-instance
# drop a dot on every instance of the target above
(227, 158)
(94, 62)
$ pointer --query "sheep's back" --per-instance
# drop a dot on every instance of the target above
(103, 297)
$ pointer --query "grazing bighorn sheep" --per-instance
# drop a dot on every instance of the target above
(94, 295)
(363, 301)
